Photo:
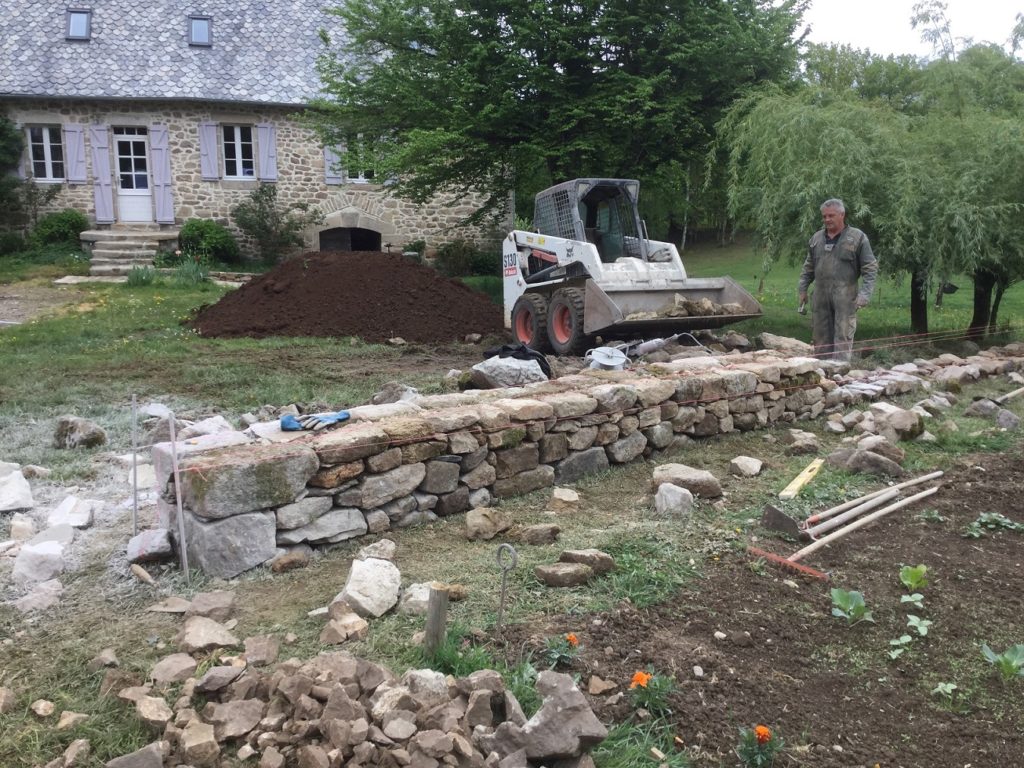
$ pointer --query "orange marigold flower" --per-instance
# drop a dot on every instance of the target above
(572, 639)
(640, 679)
(763, 734)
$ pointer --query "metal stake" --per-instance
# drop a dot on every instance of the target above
(135, 471)
(182, 544)
(507, 559)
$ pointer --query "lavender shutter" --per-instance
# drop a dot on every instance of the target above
(101, 181)
(332, 166)
(159, 148)
(74, 148)
(209, 167)
(266, 140)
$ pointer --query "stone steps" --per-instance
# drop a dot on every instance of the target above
(116, 268)
(117, 235)
(116, 250)
(124, 253)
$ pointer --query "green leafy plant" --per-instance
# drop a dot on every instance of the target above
(275, 228)
(209, 237)
(138, 276)
(916, 599)
(11, 242)
(850, 605)
(758, 746)
(1009, 663)
(457, 258)
(899, 646)
(952, 697)
(561, 651)
(932, 516)
(192, 271)
(992, 521)
(921, 625)
(458, 655)
(913, 577)
(60, 227)
(650, 690)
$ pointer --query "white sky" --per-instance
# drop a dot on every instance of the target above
(884, 25)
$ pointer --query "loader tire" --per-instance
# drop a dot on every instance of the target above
(565, 323)
(529, 322)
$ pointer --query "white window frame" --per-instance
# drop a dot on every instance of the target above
(48, 132)
(209, 30)
(361, 176)
(237, 143)
(71, 12)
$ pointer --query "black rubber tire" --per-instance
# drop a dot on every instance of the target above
(565, 323)
(529, 322)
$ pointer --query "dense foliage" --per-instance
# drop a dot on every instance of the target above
(209, 238)
(275, 228)
(464, 96)
(59, 228)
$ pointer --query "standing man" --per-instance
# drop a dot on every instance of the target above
(837, 256)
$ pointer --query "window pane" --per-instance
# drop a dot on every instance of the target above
(229, 151)
(246, 133)
(126, 181)
(139, 148)
(35, 135)
(56, 153)
(58, 170)
(200, 34)
(248, 168)
(39, 169)
(124, 164)
(230, 167)
(247, 151)
(78, 24)
(141, 181)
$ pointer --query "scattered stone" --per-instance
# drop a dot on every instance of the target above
(76, 754)
(878, 444)
(699, 482)
(596, 686)
(385, 549)
(218, 605)
(372, 587)
(203, 634)
(69, 720)
(540, 535)
(261, 650)
(150, 756)
(598, 561)
(745, 466)
(217, 678)
(485, 523)
(104, 659)
(8, 700)
(672, 501)
(564, 574)
(295, 557)
(345, 624)
(23, 527)
(38, 562)
(175, 668)
(42, 596)
(153, 711)
(76, 432)
(172, 604)
(199, 744)
(15, 492)
(150, 545)
(867, 462)
(42, 707)
(564, 500)
(800, 443)
(1007, 420)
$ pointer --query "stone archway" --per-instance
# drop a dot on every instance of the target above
(354, 229)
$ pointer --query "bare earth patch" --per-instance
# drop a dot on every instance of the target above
(21, 302)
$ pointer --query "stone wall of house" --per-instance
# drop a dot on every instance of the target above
(246, 495)
(300, 164)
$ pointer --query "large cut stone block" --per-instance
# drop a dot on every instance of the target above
(232, 481)
(579, 464)
(334, 526)
(530, 480)
(341, 446)
(377, 490)
(227, 547)
(163, 465)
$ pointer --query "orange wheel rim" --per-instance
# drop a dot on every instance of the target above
(524, 328)
(561, 325)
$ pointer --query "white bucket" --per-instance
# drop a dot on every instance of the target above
(606, 358)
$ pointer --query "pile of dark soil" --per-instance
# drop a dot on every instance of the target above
(374, 296)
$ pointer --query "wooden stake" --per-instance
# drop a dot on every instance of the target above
(857, 511)
(817, 518)
(798, 482)
(437, 618)
(859, 524)
(1009, 395)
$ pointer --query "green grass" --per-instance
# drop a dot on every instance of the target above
(629, 746)
(48, 262)
(888, 314)
(489, 284)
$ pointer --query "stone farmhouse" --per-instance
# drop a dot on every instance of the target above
(150, 114)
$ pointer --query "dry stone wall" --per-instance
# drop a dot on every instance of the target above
(402, 464)
(300, 164)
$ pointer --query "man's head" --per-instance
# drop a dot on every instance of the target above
(833, 214)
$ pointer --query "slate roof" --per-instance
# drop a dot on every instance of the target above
(263, 51)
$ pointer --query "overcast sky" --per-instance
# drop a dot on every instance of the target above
(884, 25)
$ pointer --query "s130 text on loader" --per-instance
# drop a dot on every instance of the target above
(589, 270)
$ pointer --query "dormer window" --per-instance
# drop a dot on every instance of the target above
(200, 31)
(79, 25)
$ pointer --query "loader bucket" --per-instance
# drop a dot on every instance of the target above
(629, 312)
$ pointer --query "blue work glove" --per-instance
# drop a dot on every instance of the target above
(313, 422)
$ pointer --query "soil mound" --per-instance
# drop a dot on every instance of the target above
(374, 296)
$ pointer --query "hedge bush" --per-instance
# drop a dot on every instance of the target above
(59, 228)
(11, 242)
(210, 239)
(461, 258)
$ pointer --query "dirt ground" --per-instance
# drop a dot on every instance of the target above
(20, 302)
(830, 690)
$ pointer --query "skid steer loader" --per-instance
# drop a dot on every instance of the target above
(589, 270)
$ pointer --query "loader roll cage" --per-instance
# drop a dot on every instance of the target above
(599, 211)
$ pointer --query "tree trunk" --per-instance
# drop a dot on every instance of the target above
(984, 282)
(919, 301)
(1001, 286)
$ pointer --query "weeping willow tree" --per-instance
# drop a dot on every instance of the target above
(936, 180)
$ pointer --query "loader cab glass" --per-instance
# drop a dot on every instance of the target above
(609, 222)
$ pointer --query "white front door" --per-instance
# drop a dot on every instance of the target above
(134, 191)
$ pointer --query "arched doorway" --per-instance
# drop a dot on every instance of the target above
(349, 239)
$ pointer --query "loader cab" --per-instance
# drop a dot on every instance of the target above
(602, 212)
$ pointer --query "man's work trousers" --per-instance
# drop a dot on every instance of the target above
(834, 320)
